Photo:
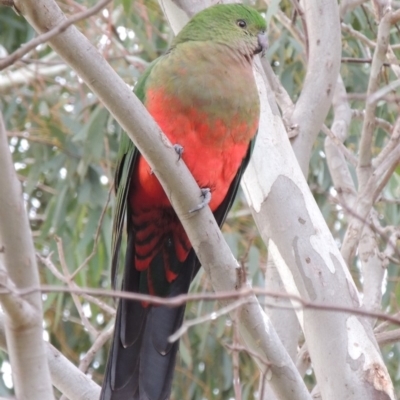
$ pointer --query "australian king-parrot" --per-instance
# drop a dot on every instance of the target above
(203, 95)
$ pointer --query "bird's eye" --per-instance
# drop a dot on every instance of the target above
(241, 23)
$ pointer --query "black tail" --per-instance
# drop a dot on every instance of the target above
(141, 360)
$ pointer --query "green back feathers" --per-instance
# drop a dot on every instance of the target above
(222, 23)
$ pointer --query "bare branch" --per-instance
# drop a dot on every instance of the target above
(86, 323)
(298, 303)
(16, 308)
(96, 346)
(388, 337)
(358, 35)
(65, 376)
(9, 60)
(364, 161)
(349, 5)
(24, 336)
(322, 70)
(379, 122)
(282, 97)
(46, 261)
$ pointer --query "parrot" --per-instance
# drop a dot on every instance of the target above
(202, 93)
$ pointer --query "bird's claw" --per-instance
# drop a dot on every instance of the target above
(179, 150)
(206, 195)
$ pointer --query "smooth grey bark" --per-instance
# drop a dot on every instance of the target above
(24, 315)
(345, 356)
(65, 376)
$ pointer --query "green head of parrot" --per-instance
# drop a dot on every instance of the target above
(235, 25)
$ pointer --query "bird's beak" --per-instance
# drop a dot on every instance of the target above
(262, 43)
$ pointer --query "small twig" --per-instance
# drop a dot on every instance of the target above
(382, 92)
(263, 377)
(380, 123)
(237, 348)
(177, 301)
(46, 261)
(86, 323)
(358, 35)
(364, 162)
(235, 358)
(96, 236)
(282, 97)
(367, 18)
(9, 60)
(379, 231)
(351, 158)
(287, 23)
(385, 169)
(208, 317)
(351, 60)
(96, 346)
(388, 337)
(384, 325)
(390, 146)
(40, 186)
(300, 13)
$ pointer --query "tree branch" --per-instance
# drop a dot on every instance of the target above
(310, 264)
(43, 38)
(24, 334)
(323, 65)
(65, 376)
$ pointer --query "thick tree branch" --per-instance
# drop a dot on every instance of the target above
(23, 327)
(65, 376)
(16, 307)
(311, 265)
(323, 65)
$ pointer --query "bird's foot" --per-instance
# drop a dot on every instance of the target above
(206, 198)
(179, 150)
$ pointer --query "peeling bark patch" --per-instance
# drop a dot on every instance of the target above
(379, 379)
(364, 355)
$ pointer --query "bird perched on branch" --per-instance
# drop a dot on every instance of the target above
(203, 95)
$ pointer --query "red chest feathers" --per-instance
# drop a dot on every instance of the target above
(213, 147)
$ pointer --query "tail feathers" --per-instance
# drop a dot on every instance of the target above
(141, 360)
